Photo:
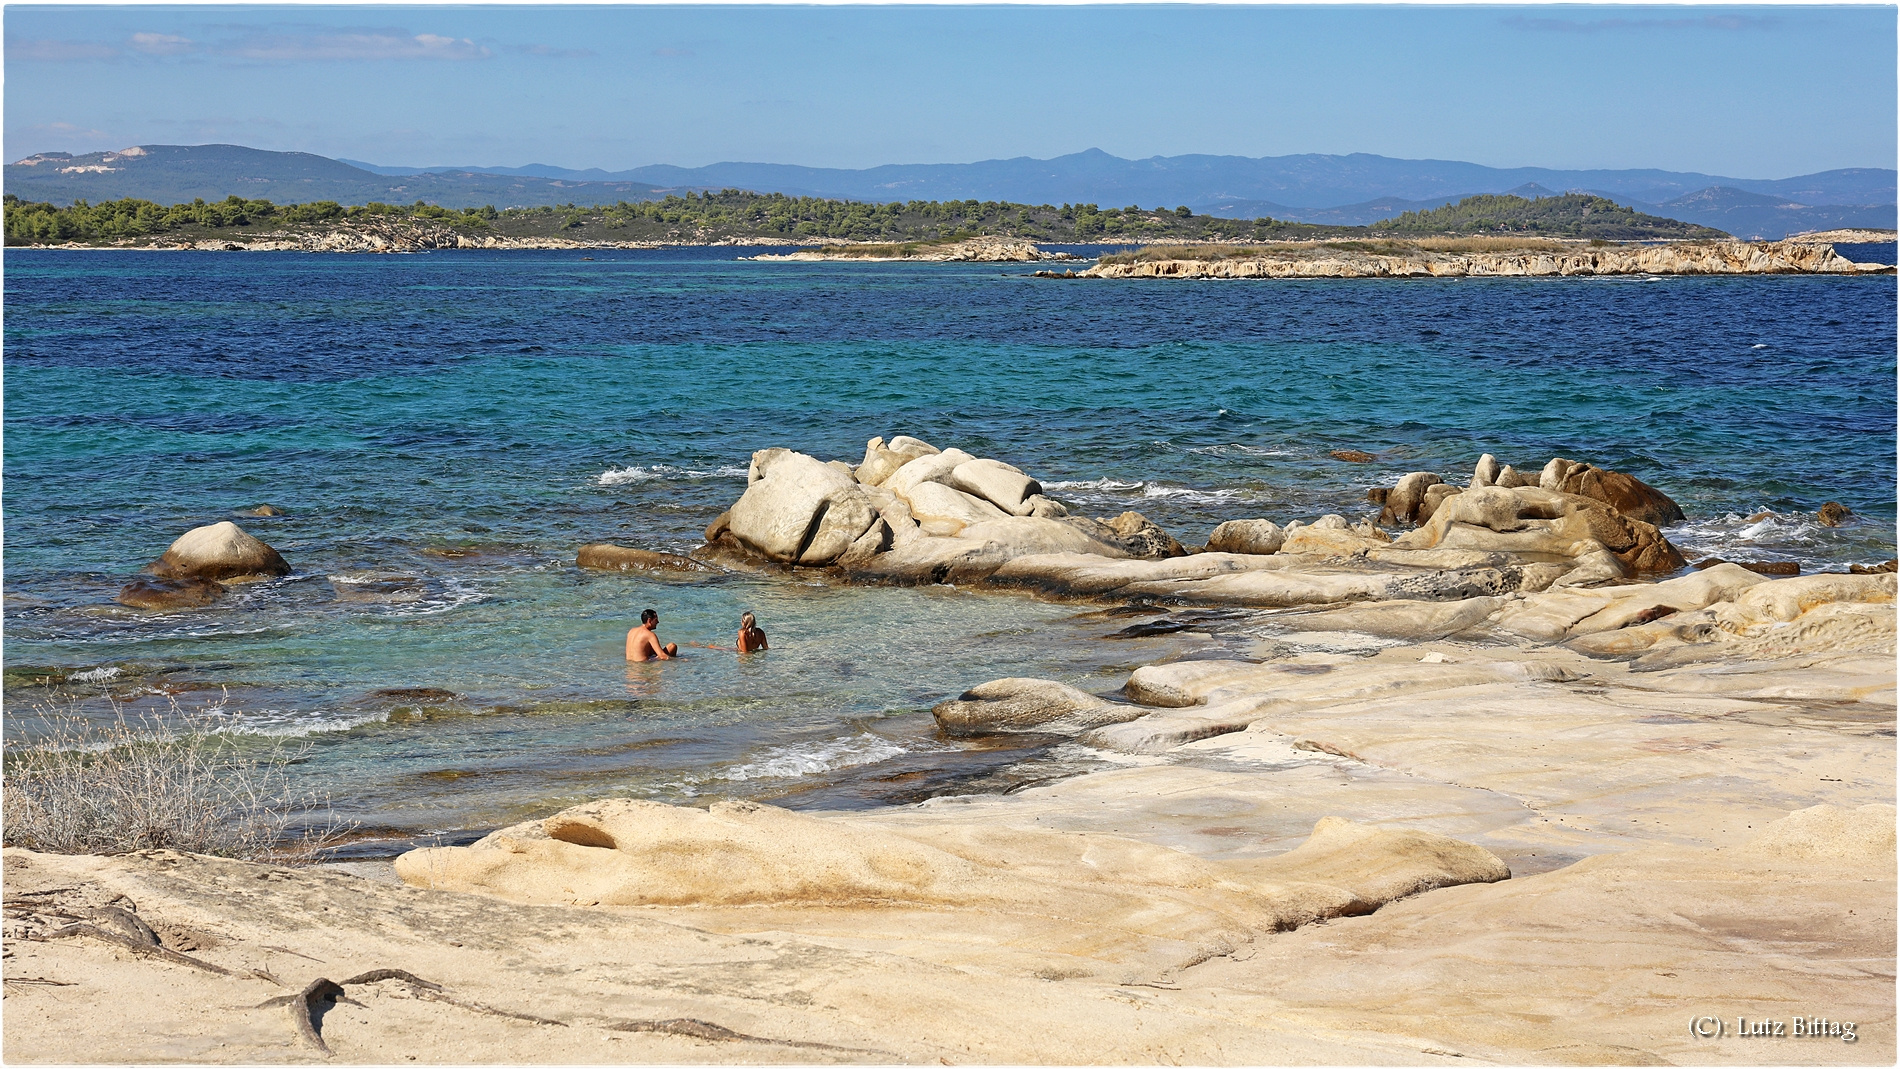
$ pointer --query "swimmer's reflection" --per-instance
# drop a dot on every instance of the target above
(644, 679)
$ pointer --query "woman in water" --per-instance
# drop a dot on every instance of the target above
(750, 636)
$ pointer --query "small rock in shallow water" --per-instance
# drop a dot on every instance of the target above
(218, 551)
(260, 510)
(1353, 456)
(1144, 538)
(1873, 569)
(1833, 514)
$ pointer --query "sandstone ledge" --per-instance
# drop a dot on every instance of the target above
(1707, 838)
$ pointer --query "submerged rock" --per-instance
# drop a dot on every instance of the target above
(162, 594)
(1039, 705)
(609, 557)
(219, 551)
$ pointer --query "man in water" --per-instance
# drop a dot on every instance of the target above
(643, 646)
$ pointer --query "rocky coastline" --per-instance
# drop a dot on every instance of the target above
(1675, 258)
(974, 250)
(1496, 779)
(380, 236)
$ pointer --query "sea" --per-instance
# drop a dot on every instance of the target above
(442, 431)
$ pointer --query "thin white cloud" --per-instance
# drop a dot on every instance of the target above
(162, 44)
(285, 45)
(369, 45)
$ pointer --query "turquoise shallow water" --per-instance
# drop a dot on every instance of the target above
(446, 429)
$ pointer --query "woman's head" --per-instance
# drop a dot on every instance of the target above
(748, 621)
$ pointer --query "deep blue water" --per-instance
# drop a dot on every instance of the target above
(464, 421)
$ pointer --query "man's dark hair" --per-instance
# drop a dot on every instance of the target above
(647, 616)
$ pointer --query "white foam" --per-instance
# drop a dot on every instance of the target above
(637, 474)
(267, 723)
(455, 593)
(1760, 535)
(292, 724)
(1112, 489)
(1188, 493)
(95, 675)
(815, 758)
(1236, 449)
(1093, 484)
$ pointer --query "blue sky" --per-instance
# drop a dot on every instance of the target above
(1750, 92)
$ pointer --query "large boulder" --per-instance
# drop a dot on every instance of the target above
(935, 501)
(1403, 500)
(1332, 536)
(1246, 536)
(1486, 472)
(219, 551)
(1434, 496)
(799, 510)
(896, 514)
(930, 468)
(1000, 484)
(910, 447)
(1628, 495)
(880, 462)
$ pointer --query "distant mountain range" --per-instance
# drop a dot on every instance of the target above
(1353, 189)
(171, 174)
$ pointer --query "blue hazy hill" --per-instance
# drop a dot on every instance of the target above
(1351, 189)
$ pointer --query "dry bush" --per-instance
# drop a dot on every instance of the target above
(1150, 253)
(884, 251)
(1485, 243)
(83, 787)
(1374, 246)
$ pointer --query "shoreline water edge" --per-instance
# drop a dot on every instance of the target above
(1499, 773)
(1387, 257)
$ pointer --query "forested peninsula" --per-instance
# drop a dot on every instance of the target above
(734, 217)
